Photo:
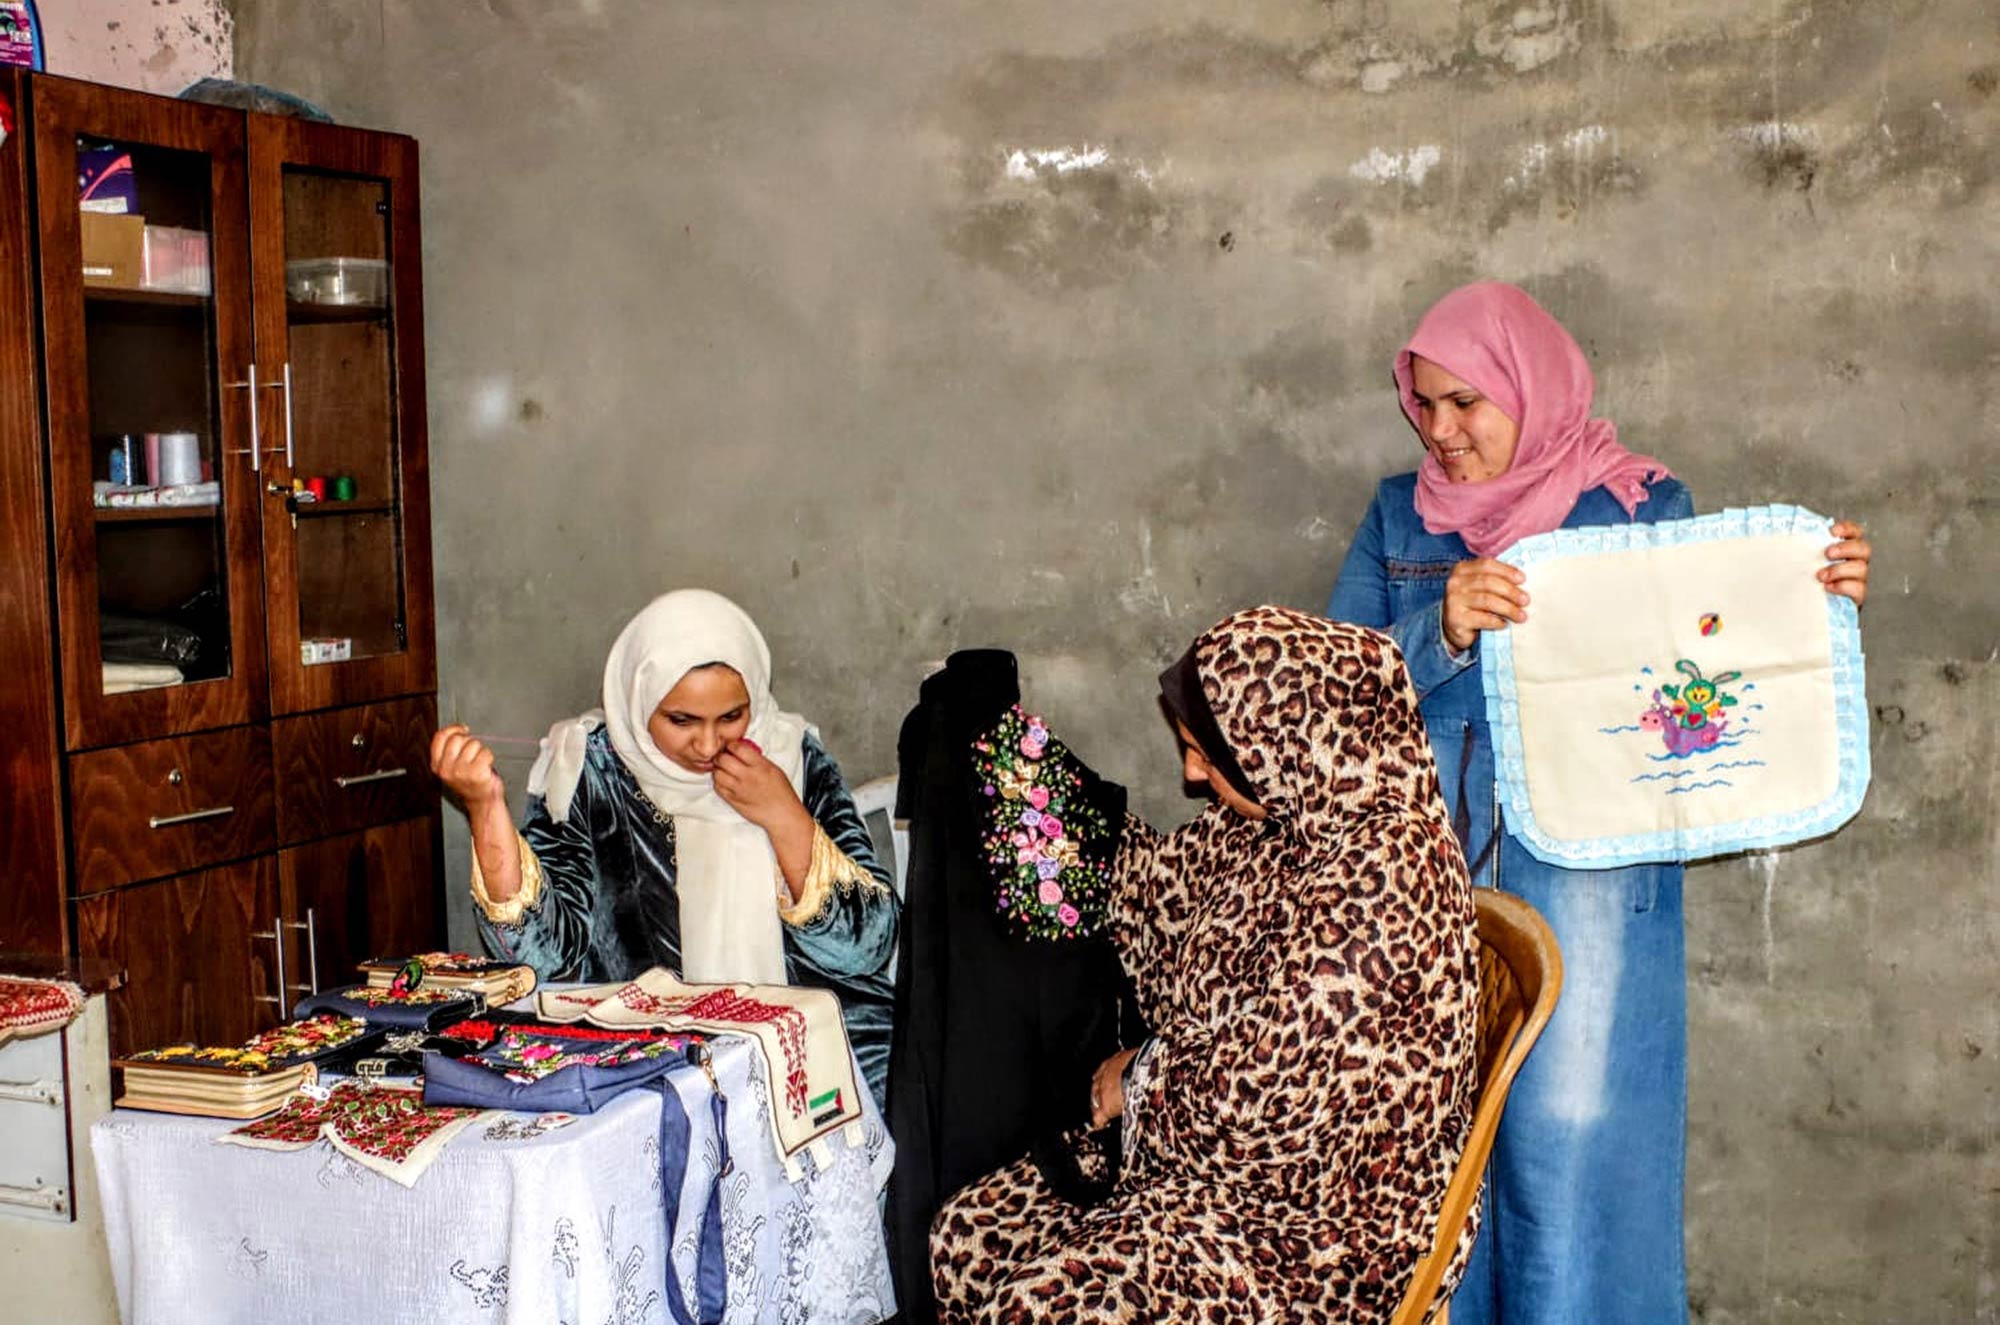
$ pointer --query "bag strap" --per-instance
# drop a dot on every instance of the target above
(676, 1134)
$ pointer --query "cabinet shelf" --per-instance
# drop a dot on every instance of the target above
(297, 312)
(135, 514)
(319, 510)
(116, 294)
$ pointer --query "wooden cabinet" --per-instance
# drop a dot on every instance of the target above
(220, 613)
(199, 952)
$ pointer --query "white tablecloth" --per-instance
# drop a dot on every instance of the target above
(561, 1227)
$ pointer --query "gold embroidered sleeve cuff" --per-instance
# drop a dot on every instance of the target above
(509, 911)
(831, 870)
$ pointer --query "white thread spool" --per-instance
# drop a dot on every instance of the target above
(180, 458)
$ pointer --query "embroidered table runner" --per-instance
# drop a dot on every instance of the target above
(813, 1087)
(1680, 690)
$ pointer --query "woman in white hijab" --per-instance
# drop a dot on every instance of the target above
(690, 823)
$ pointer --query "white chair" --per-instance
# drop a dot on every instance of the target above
(876, 800)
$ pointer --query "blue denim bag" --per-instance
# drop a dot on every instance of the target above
(476, 1082)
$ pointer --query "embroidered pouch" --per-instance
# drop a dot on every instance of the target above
(533, 1073)
(421, 1009)
(393, 1132)
(1680, 690)
(1047, 847)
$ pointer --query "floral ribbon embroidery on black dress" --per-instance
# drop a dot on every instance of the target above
(1046, 847)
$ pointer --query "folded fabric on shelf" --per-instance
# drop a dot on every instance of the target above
(121, 495)
(123, 678)
(143, 639)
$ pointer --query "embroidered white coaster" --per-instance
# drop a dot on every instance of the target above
(1680, 690)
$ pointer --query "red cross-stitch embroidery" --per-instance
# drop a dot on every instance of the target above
(789, 1023)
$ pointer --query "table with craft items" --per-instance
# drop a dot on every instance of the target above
(510, 1222)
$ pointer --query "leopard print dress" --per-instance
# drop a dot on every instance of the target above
(1291, 1128)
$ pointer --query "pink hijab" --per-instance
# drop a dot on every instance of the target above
(1495, 337)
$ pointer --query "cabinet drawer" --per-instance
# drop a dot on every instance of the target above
(355, 767)
(168, 806)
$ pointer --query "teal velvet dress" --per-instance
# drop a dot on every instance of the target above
(609, 908)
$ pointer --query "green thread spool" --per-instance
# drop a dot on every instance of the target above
(343, 487)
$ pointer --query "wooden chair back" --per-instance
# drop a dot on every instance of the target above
(1520, 976)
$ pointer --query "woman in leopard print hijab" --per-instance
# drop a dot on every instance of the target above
(1304, 951)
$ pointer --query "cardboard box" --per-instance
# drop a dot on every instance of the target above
(114, 249)
(104, 181)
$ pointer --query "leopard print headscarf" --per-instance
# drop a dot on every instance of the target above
(1322, 719)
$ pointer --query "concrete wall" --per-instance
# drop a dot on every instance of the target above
(1066, 327)
(153, 45)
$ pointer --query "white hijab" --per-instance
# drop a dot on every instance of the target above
(727, 872)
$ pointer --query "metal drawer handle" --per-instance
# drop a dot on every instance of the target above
(312, 952)
(169, 820)
(53, 1199)
(276, 933)
(379, 775)
(33, 1092)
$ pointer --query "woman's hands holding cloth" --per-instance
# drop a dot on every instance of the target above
(1484, 593)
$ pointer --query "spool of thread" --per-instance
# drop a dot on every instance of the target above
(343, 487)
(316, 487)
(180, 459)
(152, 461)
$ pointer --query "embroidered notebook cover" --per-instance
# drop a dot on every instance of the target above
(241, 1081)
(1680, 690)
(499, 981)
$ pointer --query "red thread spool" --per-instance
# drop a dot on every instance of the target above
(316, 486)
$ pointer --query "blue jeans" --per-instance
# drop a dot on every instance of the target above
(1583, 1197)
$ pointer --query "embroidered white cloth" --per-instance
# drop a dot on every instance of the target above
(1680, 690)
(804, 1041)
(517, 1222)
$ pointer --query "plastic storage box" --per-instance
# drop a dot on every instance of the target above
(362, 282)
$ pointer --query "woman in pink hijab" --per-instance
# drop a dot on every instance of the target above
(1583, 1217)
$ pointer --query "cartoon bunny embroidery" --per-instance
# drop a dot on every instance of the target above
(1689, 716)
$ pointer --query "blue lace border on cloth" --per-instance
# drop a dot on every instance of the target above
(1850, 703)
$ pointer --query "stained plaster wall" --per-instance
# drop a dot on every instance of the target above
(1065, 327)
(153, 45)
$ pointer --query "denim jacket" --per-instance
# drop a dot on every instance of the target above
(1393, 580)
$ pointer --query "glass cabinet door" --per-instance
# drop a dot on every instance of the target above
(346, 547)
(153, 404)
